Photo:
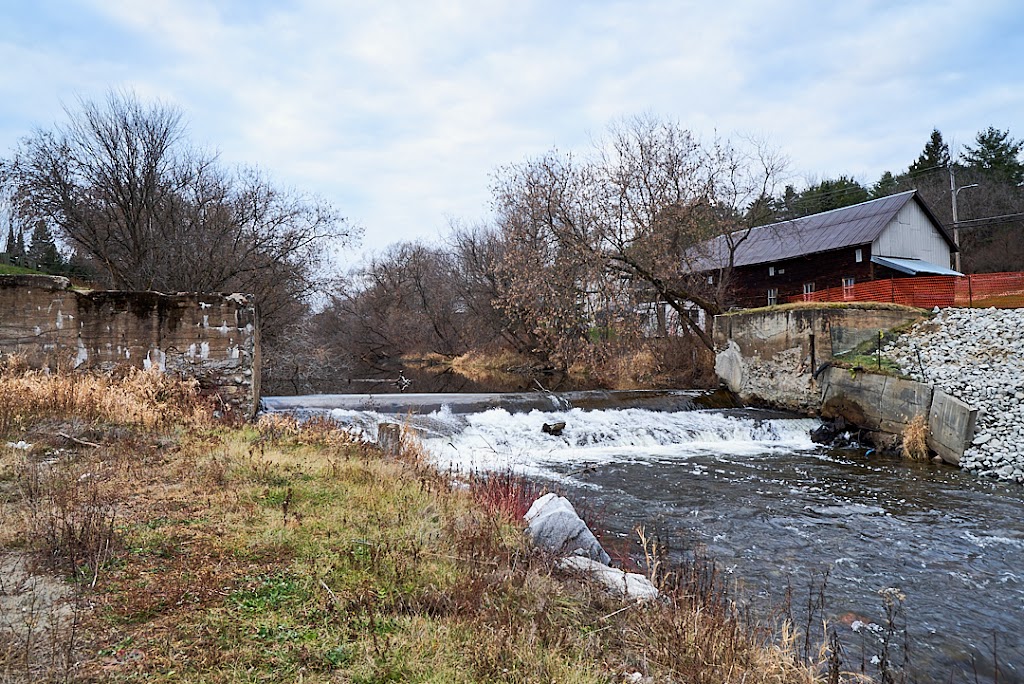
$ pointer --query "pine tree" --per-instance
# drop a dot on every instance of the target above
(42, 252)
(19, 247)
(887, 185)
(830, 194)
(935, 155)
(998, 154)
(10, 245)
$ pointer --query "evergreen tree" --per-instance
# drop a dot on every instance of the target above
(887, 185)
(42, 252)
(10, 244)
(16, 248)
(830, 194)
(935, 155)
(786, 206)
(761, 211)
(998, 154)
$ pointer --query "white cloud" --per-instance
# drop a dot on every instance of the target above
(398, 112)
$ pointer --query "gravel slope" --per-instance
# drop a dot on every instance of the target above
(977, 355)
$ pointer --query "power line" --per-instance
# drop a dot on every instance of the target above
(990, 220)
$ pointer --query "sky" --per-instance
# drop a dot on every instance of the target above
(399, 112)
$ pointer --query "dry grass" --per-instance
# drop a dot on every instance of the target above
(286, 552)
(864, 306)
(132, 397)
(915, 439)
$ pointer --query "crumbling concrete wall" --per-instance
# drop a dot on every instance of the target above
(885, 404)
(780, 358)
(211, 337)
(771, 356)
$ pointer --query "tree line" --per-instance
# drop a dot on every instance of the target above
(586, 253)
(611, 257)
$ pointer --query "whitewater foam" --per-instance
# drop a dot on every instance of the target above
(499, 440)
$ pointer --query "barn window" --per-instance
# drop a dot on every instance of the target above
(848, 282)
(711, 280)
(858, 255)
(771, 270)
(773, 296)
(847, 287)
(808, 288)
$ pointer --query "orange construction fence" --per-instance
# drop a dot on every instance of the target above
(999, 290)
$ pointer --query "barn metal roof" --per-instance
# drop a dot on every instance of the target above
(914, 266)
(845, 227)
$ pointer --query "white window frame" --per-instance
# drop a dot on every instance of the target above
(771, 270)
(773, 296)
(809, 288)
(858, 255)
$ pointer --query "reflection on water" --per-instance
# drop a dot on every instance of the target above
(775, 509)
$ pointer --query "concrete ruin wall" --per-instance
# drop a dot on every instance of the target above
(211, 337)
(780, 358)
(770, 356)
(886, 404)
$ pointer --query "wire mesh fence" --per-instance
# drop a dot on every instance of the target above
(983, 290)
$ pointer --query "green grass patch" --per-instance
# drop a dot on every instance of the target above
(12, 269)
(814, 306)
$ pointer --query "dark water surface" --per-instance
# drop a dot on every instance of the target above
(775, 510)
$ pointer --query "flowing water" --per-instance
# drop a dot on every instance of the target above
(775, 510)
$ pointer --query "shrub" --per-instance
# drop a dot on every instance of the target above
(915, 439)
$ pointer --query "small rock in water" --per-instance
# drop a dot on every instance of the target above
(554, 429)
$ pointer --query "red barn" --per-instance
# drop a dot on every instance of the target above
(895, 236)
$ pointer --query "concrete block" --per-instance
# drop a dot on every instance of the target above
(874, 401)
(901, 401)
(729, 367)
(628, 585)
(950, 426)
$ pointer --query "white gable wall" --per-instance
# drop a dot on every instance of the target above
(912, 236)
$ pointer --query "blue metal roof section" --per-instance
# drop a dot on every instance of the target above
(913, 266)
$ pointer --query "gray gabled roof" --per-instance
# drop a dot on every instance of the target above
(846, 227)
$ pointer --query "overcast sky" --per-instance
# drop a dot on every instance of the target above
(398, 112)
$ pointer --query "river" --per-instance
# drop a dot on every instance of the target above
(776, 511)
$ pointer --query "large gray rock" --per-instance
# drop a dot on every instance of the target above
(553, 525)
(729, 367)
(628, 585)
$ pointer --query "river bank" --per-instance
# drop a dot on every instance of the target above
(287, 551)
(749, 488)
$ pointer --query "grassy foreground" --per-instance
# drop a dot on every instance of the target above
(141, 541)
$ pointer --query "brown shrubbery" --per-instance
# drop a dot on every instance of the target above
(915, 439)
(131, 397)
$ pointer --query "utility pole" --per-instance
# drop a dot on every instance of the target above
(953, 192)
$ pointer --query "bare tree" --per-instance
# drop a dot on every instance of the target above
(654, 206)
(119, 182)
(404, 301)
(543, 277)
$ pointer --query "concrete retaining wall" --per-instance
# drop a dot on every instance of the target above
(951, 425)
(886, 404)
(769, 356)
(211, 337)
